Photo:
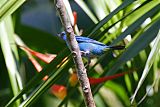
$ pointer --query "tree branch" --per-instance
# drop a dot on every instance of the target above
(73, 45)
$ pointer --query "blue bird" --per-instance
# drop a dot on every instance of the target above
(90, 48)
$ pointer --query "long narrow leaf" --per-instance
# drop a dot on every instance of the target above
(136, 24)
(9, 7)
(85, 8)
(38, 78)
(138, 45)
(150, 60)
(107, 18)
(42, 88)
(9, 56)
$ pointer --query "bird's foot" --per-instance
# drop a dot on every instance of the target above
(87, 65)
(85, 53)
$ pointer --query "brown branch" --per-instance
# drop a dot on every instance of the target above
(73, 45)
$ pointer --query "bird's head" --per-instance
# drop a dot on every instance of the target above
(63, 35)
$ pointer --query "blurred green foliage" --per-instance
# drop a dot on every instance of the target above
(134, 24)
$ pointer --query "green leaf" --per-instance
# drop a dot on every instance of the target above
(9, 7)
(85, 8)
(107, 18)
(139, 44)
(136, 24)
(6, 36)
(40, 39)
(119, 90)
(137, 14)
(47, 84)
(38, 78)
(154, 52)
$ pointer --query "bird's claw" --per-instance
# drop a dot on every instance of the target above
(87, 54)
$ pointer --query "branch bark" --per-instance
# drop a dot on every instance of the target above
(74, 48)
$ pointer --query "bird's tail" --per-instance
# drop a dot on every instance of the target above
(118, 47)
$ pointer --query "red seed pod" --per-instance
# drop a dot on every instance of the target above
(94, 81)
(73, 79)
(75, 17)
(47, 58)
(59, 91)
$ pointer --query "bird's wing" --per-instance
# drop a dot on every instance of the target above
(81, 39)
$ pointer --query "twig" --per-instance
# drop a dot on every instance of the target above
(73, 45)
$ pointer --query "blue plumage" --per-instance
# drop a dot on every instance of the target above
(89, 47)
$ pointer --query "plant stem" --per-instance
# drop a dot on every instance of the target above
(73, 45)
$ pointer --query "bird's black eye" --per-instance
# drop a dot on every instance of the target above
(63, 34)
